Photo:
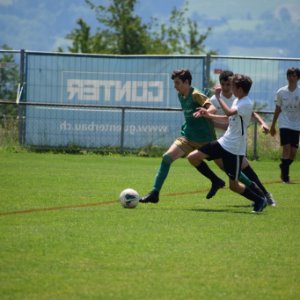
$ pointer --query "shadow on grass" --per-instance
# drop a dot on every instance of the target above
(210, 210)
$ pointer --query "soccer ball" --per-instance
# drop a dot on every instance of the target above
(129, 198)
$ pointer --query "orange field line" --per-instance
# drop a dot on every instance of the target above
(32, 210)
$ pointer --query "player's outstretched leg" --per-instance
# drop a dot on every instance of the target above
(259, 202)
(251, 174)
(215, 186)
(216, 182)
(153, 196)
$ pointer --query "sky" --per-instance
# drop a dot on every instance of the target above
(240, 27)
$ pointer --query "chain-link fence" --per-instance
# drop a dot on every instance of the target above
(127, 102)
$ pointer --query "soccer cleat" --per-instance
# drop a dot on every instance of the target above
(152, 197)
(283, 174)
(259, 205)
(285, 179)
(214, 188)
(270, 199)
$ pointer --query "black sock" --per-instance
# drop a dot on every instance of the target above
(250, 173)
(249, 194)
(204, 169)
(255, 189)
(285, 169)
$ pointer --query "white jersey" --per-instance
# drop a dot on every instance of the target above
(220, 110)
(218, 106)
(289, 103)
(234, 139)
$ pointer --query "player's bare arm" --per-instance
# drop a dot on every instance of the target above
(265, 128)
(275, 117)
(202, 112)
(210, 108)
(227, 110)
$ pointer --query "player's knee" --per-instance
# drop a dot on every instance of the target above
(233, 186)
(167, 159)
(194, 158)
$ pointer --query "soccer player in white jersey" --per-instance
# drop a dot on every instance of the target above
(231, 147)
(287, 111)
(224, 90)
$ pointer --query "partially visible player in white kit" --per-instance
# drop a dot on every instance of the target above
(287, 112)
(231, 147)
(226, 94)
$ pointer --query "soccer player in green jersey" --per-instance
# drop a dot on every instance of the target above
(195, 133)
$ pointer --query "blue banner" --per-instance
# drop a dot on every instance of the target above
(143, 81)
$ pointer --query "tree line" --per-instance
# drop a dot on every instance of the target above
(121, 31)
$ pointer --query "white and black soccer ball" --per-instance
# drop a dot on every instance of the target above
(129, 198)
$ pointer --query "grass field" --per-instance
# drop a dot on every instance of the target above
(63, 234)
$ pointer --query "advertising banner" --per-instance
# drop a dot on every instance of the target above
(123, 85)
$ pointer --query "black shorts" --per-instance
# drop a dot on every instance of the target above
(289, 137)
(231, 162)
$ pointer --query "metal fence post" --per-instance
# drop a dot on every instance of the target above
(122, 131)
(206, 67)
(255, 157)
(20, 108)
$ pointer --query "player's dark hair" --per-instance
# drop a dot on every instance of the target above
(225, 75)
(183, 74)
(242, 81)
(292, 71)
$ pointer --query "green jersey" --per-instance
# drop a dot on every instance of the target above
(196, 129)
